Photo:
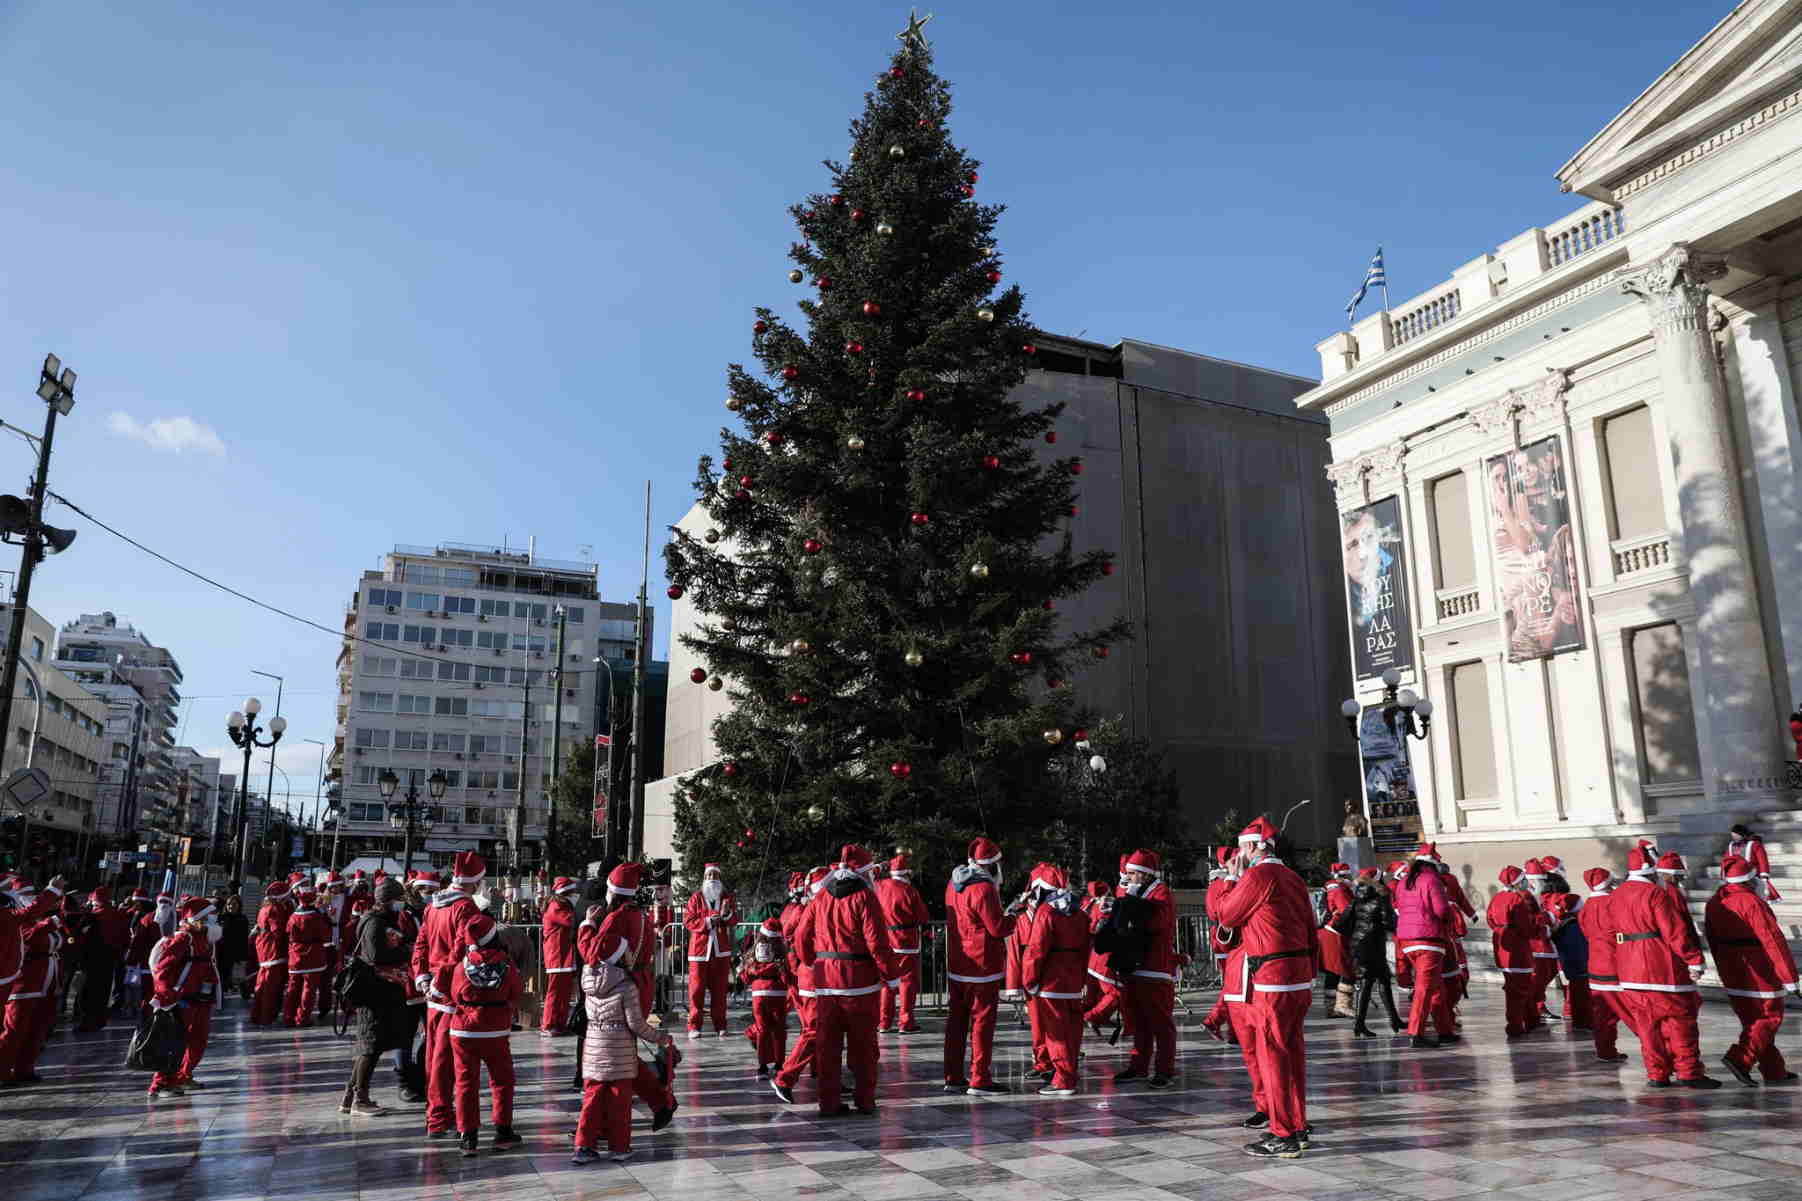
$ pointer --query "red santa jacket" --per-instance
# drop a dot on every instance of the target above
(1159, 960)
(709, 926)
(175, 968)
(1465, 911)
(844, 941)
(975, 929)
(768, 981)
(144, 933)
(1513, 919)
(1269, 907)
(1653, 946)
(271, 934)
(559, 936)
(14, 922)
(1750, 951)
(1598, 929)
(309, 941)
(1057, 950)
(112, 926)
(482, 987)
(1097, 910)
(904, 911)
(791, 914)
(1680, 898)
(441, 942)
(624, 934)
(43, 943)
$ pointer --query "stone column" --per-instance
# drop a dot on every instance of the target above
(1740, 733)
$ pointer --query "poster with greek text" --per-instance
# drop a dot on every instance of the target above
(1376, 588)
(1535, 553)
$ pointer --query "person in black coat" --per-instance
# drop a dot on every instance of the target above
(1366, 925)
(384, 1019)
(233, 950)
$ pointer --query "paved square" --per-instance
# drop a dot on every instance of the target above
(1533, 1121)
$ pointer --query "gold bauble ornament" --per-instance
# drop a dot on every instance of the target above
(795, 276)
(800, 646)
(715, 684)
(734, 404)
(897, 151)
(854, 443)
(980, 570)
(913, 658)
(815, 813)
(885, 229)
(1054, 736)
(729, 624)
(985, 314)
(712, 535)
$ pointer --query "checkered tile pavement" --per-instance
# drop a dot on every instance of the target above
(1537, 1120)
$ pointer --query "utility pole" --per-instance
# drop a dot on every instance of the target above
(641, 647)
(58, 394)
(525, 741)
(550, 815)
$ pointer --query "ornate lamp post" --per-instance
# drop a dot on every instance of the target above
(1405, 714)
(409, 816)
(244, 731)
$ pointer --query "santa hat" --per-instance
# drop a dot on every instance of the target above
(563, 884)
(1561, 905)
(816, 879)
(1649, 849)
(711, 869)
(296, 877)
(1047, 876)
(1258, 833)
(797, 881)
(1735, 870)
(1552, 865)
(1671, 863)
(984, 852)
(1640, 865)
(276, 890)
(162, 898)
(195, 909)
(479, 931)
(1340, 870)
(854, 858)
(468, 869)
(425, 881)
(1224, 855)
(305, 893)
(1398, 869)
(1510, 876)
(1368, 875)
(333, 880)
(101, 896)
(359, 875)
(1598, 879)
(1535, 869)
(900, 865)
(1124, 856)
(623, 880)
(769, 928)
(1429, 852)
(1098, 889)
(139, 896)
(1143, 860)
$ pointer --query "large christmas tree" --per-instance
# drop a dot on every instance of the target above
(887, 545)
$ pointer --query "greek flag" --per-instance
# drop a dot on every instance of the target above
(1373, 278)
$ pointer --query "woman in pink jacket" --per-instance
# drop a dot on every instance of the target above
(1423, 924)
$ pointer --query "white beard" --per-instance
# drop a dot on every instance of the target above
(712, 891)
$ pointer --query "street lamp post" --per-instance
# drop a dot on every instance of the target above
(1401, 709)
(409, 815)
(243, 729)
(307, 824)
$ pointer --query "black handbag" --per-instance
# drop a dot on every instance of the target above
(158, 1044)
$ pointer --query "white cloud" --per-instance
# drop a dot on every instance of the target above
(176, 434)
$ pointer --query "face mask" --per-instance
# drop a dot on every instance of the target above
(396, 906)
(765, 954)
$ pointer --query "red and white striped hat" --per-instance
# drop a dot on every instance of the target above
(1143, 860)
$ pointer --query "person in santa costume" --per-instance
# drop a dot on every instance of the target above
(184, 979)
(1218, 1023)
(1054, 969)
(1605, 1010)
(1673, 877)
(483, 986)
(1335, 966)
(144, 934)
(844, 941)
(1149, 990)
(801, 1056)
(764, 973)
(1393, 874)
(1752, 956)
(1013, 985)
(1270, 984)
(904, 909)
(31, 1002)
(1659, 962)
(109, 935)
(1513, 918)
(1423, 925)
(710, 916)
(21, 907)
(1746, 845)
(623, 934)
(1457, 969)
(976, 930)
(785, 922)
(441, 945)
(308, 940)
(334, 903)
(559, 955)
(269, 940)
(1545, 955)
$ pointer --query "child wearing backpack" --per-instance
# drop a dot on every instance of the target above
(610, 1061)
(482, 988)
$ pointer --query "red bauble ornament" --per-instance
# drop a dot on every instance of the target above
(745, 481)
(812, 546)
(1029, 348)
(731, 769)
(773, 438)
(896, 72)
(836, 199)
(727, 465)
(871, 309)
(968, 191)
(972, 177)
(740, 844)
(1023, 658)
(991, 461)
(1076, 467)
(698, 675)
(921, 122)
(674, 592)
(994, 277)
(1051, 435)
(1107, 569)
(751, 834)
(1101, 652)
(760, 327)
(1081, 735)
(807, 214)
(900, 770)
(920, 518)
(741, 494)
(854, 348)
(857, 214)
(798, 698)
(823, 283)
(916, 394)
(791, 372)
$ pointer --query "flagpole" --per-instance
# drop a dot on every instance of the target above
(1385, 281)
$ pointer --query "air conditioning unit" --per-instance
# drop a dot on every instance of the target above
(459, 754)
(392, 609)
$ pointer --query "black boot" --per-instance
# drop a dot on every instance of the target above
(1395, 1019)
(1359, 1029)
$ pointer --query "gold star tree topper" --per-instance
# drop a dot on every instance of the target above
(914, 36)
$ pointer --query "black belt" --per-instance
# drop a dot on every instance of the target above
(1258, 961)
(851, 955)
(1605, 979)
(909, 926)
(1640, 937)
(1734, 942)
(485, 1004)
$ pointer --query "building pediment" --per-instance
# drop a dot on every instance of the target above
(1749, 60)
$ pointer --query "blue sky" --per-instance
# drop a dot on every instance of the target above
(341, 275)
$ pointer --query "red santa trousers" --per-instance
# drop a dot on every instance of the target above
(707, 978)
(1151, 1016)
(303, 998)
(440, 1073)
(271, 991)
(1060, 1021)
(909, 990)
(1238, 1021)
(647, 1087)
(27, 1026)
(471, 1055)
(972, 1018)
(559, 988)
(769, 1024)
(1219, 1015)
(801, 1058)
(1106, 1006)
(199, 1021)
(1666, 1025)
(1759, 1020)
(1270, 1033)
(845, 1028)
(1544, 972)
(1604, 1022)
(1041, 1058)
(1432, 1003)
(1517, 999)
(606, 1111)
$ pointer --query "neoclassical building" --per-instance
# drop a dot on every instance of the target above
(1569, 491)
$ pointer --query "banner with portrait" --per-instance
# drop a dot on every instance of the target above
(1535, 551)
(1376, 588)
(1389, 801)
